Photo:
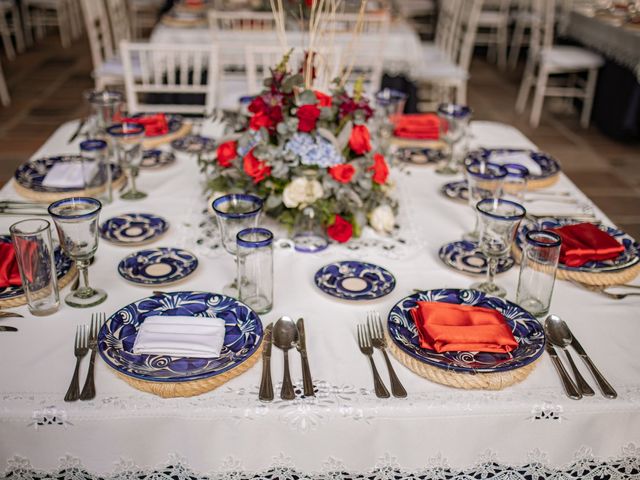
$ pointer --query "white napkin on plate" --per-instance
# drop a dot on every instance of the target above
(70, 175)
(199, 337)
(522, 158)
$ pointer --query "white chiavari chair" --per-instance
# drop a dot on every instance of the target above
(144, 16)
(523, 20)
(183, 70)
(5, 99)
(493, 29)
(39, 14)
(441, 47)
(546, 59)
(107, 66)
(419, 13)
(11, 24)
(119, 15)
(238, 21)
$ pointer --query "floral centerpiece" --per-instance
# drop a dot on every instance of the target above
(298, 147)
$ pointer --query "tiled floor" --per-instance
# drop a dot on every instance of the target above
(46, 85)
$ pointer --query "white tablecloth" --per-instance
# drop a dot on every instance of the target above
(344, 432)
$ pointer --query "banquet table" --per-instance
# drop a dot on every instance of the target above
(529, 430)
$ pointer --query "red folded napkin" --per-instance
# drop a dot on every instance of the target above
(423, 126)
(9, 273)
(448, 327)
(584, 242)
(154, 125)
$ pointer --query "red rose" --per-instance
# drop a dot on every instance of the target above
(323, 99)
(380, 169)
(257, 105)
(226, 153)
(260, 120)
(360, 141)
(340, 230)
(256, 169)
(275, 114)
(308, 116)
(342, 173)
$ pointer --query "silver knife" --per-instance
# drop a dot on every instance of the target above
(266, 385)
(301, 346)
(569, 387)
(10, 315)
(78, 130)
(605, 387)
(6, 328)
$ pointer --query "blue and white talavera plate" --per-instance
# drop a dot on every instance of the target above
(62, 262)
(157, 266)
(628, 258)
(353, 280)
(466, 257)
(549, 166)
(525, 328)
(133, 228)
(194, 144)
(154, 159)
(30, 175)
(458, 191)
(243, 335)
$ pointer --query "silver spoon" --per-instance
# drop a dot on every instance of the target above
(561, 337)
(285, 336)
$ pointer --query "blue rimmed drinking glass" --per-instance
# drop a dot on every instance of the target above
(389, 103)
(516, 181)
(76, 220)
(454, 124)
(499, 220)
(128, 139)
(255, 268)
(484, 180)
(235, 212)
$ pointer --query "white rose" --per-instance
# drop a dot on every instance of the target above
(382, 219)
(301, 192)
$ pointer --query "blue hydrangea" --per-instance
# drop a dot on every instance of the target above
(316, 151)
(254, 140)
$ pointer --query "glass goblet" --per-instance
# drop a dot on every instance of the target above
(128, 139)
(484, 180)
(499, 220)
(454, 122)
(76, 220)
(235, 212)
(516, 181)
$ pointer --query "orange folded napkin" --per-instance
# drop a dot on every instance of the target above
(448, 327)
(154, 125)
(9, 273)
(584, 242)
(423, 126)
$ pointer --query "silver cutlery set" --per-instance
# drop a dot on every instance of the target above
(17, 207)
(559, 336)
(370, 336)
(8, 328)
(285, 335)
(86, 339)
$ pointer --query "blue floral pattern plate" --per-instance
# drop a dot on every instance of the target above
(62, 262)
(30, 175)
(154, 159)
(353, 280)
(548, 165)
(525, 328)
(194, 144)
(157, 266)
(243, 335)
(133, 228)
(458, 191)
(466, 257)
(629, 258)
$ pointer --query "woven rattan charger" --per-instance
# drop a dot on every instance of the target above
(22, 299)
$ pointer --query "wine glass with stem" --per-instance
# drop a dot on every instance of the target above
(499, 221)
(76, 221)
(235, 212)
(484, 180)
(454, 123)
(128, 139)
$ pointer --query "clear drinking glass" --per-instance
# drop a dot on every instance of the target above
(389, 103)
(499, 220)
(34, 254)
(96, 168)
(106, 109)
(540, 255)
(484, 180)
(76, 220)
(255, 268)
(454, 123)
(128, 139)
(235, 212)
(516, 181)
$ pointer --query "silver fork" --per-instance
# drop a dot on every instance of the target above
(602, 289)
(364, 342)
(89, 389)
(374, 326)
(80, 349)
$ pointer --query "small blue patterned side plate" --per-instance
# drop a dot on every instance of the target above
(157, 266)
(243, 334)
(133, 228)
(466, 257)
(548, 165)
(353, 280)
(62, 262)
(458, 191)
(154, 159)
(194, 144)
(525, 328)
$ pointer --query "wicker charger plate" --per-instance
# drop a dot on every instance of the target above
(22, 299)
(48, 197)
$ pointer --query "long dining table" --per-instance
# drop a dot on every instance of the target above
(528, 430)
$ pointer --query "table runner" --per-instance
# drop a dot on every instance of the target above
(345, 431)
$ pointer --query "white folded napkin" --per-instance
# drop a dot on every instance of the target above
(199, 337)
(70, 175)
(522, 158)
